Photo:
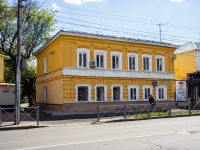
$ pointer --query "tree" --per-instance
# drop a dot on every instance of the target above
(28, 82)
(28, 78)
(36, 27)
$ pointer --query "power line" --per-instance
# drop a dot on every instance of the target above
(124, 28)
(146, 33)
(42, 4)
(165, 37)
(119, 31)
(152, 22)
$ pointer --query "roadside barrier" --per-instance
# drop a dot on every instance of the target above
(134, 111)
(7, 115)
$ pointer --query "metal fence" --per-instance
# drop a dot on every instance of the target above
(7, 115)
(133, 111)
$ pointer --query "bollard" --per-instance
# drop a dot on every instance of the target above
(124, 111)
(149, 109)
(98, 114)
(37, 115)
(170, 109)
(1, 117)
(189, 107)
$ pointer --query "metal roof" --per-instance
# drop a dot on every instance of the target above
(106, 37)
(189, 46)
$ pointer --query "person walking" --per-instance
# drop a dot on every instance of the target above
(151, 101)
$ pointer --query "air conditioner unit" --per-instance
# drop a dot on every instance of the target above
(156, 83)
(93, 63)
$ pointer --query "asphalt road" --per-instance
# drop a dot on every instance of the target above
(181, 133)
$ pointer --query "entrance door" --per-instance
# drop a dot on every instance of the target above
(194, 95)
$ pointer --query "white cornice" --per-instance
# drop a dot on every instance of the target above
(116, 73)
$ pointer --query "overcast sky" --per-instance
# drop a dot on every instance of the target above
(179, 20)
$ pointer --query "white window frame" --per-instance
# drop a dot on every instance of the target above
(101, 52)
(121, 92)
(105, 91)
(89, 92)
(119, 54)
(137, 92)
(150, 62)
(136, 60)
(143, 91)
(45, 93)
(163, 63)
(165, 92)
(45, 65)
(87, 52)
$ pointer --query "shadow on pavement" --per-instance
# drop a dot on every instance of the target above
(48, 117)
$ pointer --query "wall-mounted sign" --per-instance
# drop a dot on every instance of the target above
(181, 91)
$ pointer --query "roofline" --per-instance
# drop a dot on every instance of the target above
(104, 37)
(181, 50)
(48, 43)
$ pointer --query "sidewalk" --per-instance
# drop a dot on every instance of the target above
(51, 118)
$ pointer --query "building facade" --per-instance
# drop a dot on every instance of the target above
(2, 68)
(187, 67)
(76, 71)
(7, 96)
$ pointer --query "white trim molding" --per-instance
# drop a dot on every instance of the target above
(45, 65)
(143, 91)
(89, 92)
(121, 92)
(116, 73)
(118, 54)
(150, 62)
(136, 61)
(163, 62)
(164, 92)
(105, 91)
(101, 52)
(87, 52)
(137, 92)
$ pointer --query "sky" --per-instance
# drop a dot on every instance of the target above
(169, 21)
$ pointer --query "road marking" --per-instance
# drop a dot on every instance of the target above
(85, 142)
(48, 146)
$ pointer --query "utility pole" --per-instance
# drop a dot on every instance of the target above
(18, 63)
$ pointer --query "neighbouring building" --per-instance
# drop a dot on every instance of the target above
(187, 72)
(2, 68)
(7, 97)
(78, 71)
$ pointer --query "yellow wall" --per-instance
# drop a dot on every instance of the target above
(63, 53)
(184, 63)
(70, 82)
(54, 91)
(2, 68)
(54, 55)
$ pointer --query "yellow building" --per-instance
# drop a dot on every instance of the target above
(2, 68)
(76, 71)
(186, 64)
